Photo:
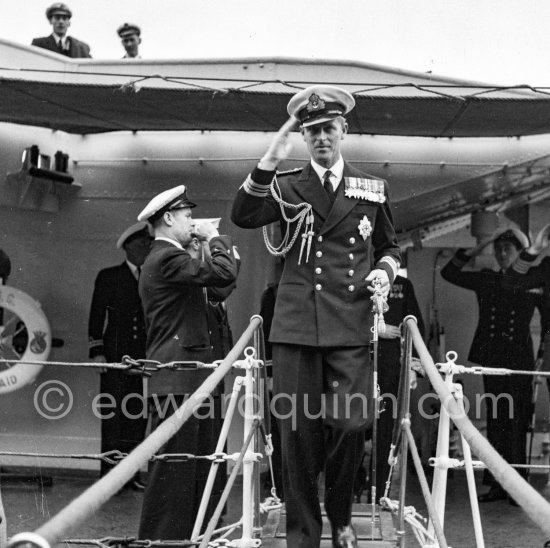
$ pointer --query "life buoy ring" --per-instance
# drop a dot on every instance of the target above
(28, 313)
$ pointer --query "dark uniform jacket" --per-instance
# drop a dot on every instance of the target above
(401, 302)
(77, 49)
(502, 337)
(171, 286)
(535, 276)
(116, 326)
(324, 301)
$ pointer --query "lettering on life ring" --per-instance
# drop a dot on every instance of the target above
(39, 338)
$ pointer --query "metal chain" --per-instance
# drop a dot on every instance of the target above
(131, 542)
(143, 366)
(113, 457)
(109, 457)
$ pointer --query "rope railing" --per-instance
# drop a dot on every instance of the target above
(532, 502)
(85, 505)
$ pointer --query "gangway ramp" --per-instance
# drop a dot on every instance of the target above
(273, 532)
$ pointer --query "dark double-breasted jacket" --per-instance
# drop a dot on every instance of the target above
(172, 288)
(535, 276)
(324, 301)
(116, 325)
(401, 303)
(502, 337)
(77, 49)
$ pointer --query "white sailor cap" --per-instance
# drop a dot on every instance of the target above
(58, 9)
(173, 198)
(132, 232)
(317, 104)
(514, 235)
(128, 29)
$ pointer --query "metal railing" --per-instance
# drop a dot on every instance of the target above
(452, 408)
(83, 507)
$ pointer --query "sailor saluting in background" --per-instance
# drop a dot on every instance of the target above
(502, 339)
(343, 238)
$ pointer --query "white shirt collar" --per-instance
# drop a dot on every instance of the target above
(63, 39)
(337, 171)
(133, 269)
(173, 242)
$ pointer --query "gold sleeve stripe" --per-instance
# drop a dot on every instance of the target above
(255, 189)
(522, 266)
(392, 263)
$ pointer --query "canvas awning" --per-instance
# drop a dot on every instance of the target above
(85, 108)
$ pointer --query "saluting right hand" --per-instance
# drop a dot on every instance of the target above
(280, 148)
(542, 240)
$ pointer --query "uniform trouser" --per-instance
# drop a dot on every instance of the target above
(509, 411)
(322, 402)
(125, 428)
(174, 489)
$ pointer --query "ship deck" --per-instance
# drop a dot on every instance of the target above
(28, 504)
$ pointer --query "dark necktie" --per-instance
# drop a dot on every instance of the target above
(327, 185)
(138, 272)
(60, 46)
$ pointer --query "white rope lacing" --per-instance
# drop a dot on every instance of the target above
(303, 214)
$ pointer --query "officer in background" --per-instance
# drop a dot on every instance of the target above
(267, 309)
(130, 37)
(5, 267)
(534, 273)
(5, 271)
(116, 328)
(321, 326)
(176, 316)
(402, 302)
(502, 339)
(59, 15)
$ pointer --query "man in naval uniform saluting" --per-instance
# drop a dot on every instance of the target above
(502, 339)
(323, 314)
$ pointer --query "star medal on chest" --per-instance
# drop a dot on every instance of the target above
(365, 228)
